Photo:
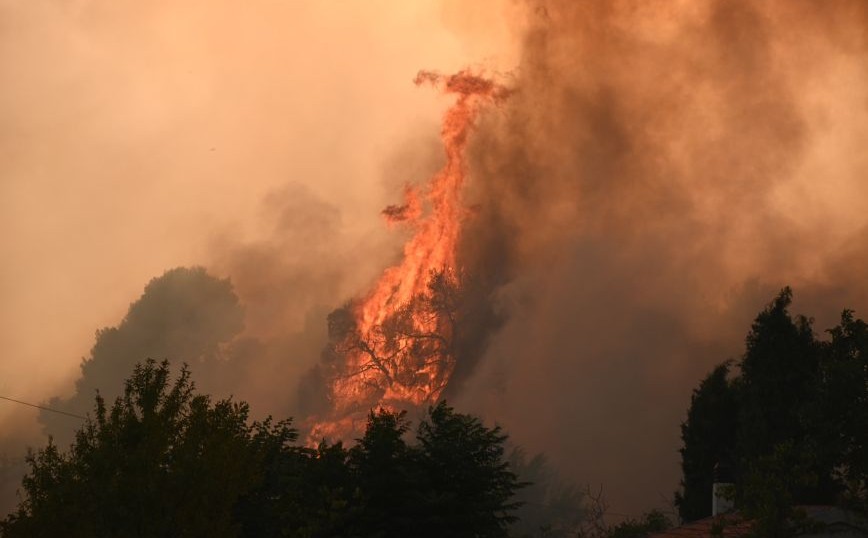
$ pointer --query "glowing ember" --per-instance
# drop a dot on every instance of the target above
(396, 351)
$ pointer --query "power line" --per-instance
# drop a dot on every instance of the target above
(43, 408)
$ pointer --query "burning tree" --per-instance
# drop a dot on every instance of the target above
(407, 359)
(396, 347)
(411, 353)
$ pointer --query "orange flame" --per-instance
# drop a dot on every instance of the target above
(399, 353)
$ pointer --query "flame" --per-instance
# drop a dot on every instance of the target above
(398, 352)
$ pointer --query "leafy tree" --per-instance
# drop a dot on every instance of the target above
(844, 406)
(329, 498)
(165, 461)
(709, 436)
(780, 380)
(768, 487)
(278, 500)
(185, 313)
(801, 421)
(470, 485)
(387, 471)
(453, 481)
(162, 462)
(653, 521)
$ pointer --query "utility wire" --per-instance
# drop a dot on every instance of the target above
(44, 408)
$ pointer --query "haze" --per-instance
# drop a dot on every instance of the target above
(136, 137)
(659, 173)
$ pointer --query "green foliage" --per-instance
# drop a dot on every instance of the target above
(800, 434)
(709, 435)
(780, 375)
(166, 461)
(148, 467)
(845, 406)
(768, 490)
(653, 521)
(388, 469)
(185, 313)
(469, 484)
(453, 481)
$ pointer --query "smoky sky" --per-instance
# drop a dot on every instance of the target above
(659, 172)
(138, 138)
(258, 141)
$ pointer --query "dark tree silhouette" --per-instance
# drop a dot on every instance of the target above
(709, 436)
(185, 314)
(780, 375)
(469, 484)
(453, 481)
(388, 470)
(793, 424)
(162, 461)
(166, 461)
(843, 409)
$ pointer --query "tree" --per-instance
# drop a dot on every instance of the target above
(653, 521)
(709, 436)
(166, 461)
(844, 406)
(768, 491)
(780, 376)
(453, 481)
(163, 461)
(185, 314)
(799, 411)
(401, 350)
(470, 485)
(328, 497)
(387, 471)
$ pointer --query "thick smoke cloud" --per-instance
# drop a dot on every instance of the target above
(140, 137)
(184, 316)
(260, 142)
(662, 170)
(290, 276)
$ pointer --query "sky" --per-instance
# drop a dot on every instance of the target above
(258, 140)
(659, 172)
(140, 137)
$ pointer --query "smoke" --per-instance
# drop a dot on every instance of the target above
(658, 173)
(261, 143)
(661, 170)
(185, 315)
(138, 138)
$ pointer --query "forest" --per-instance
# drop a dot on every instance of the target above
(789, 420)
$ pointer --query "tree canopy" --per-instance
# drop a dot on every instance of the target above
(709, 435)
(793, 425)
(185, 314)
(167, 461)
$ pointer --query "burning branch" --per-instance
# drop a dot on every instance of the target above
(398, 348)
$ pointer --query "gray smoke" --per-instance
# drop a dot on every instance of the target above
(659, 174)
(186, 315)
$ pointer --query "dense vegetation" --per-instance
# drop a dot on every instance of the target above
(166, 461)
(792, 427)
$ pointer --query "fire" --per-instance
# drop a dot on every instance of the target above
(397, 351)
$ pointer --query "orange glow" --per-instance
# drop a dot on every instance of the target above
(399, 353)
